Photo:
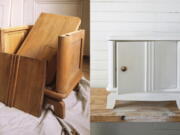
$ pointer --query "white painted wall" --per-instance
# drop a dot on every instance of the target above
(128, 18)
(22, 12)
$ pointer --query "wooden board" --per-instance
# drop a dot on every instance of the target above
(22, 82)
(69, 63)
(30, 85)
(131, 111)
(12, 38)
(44, 35)
(6, 61)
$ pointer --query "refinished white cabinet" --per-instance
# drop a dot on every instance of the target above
(143, 70)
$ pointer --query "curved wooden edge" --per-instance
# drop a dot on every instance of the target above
(59, 107)
(55, 95)
(58, 96)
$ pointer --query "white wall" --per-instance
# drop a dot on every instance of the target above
(22, 12)
(128, 18)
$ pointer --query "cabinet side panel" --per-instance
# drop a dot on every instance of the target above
(5, 66)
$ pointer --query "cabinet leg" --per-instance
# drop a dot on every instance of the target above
(59, 107)
(111, 101)
(76, 88)
(178, 104)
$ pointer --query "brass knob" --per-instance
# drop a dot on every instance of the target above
(123, 68)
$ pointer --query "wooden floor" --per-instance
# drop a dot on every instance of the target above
(131, 111)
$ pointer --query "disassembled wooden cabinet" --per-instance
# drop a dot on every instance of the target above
(29, 48)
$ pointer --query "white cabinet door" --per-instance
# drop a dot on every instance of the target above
(165, 65)
(131, 55)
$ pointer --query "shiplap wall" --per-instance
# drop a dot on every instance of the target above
(128, 18)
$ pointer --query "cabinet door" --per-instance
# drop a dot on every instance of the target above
(131, 66)
(165, 65)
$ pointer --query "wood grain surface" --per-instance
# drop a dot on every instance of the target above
(69, 61)
(12, 38)
(22, 82)
(29, 86)
(42, 41)
(5, 68)
(44, 34)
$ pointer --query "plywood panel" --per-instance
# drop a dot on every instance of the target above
(5, 73)
(12, 38)
(30, 85)
(45, 34)
(22, 82)
(69, 61)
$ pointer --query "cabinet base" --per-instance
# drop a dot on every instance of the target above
(112, 97)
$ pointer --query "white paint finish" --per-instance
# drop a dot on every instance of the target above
(165, 65)
(131, 55)
(155, 19)
(5, 6)
(178, 64)
(1, 14)
(125, 26)
(133, 6)
(58, 7)
(97, 57)
(99, 83)
(111, 101)
(99, 46)
(159, 96)
(135, 17)
(17, 10)
(100, 75)
(132, 35)
(28, 12)
(178, 103)
(112, 70)
(99, 65)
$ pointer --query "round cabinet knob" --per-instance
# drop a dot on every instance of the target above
(123, 68)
